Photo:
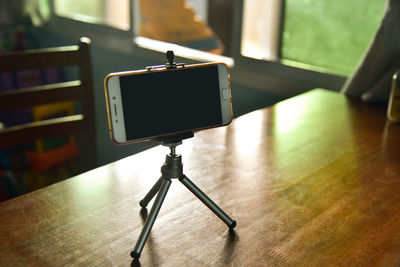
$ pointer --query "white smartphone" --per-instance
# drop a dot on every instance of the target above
(145, 104)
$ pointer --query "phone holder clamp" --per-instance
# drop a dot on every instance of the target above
(169, 65)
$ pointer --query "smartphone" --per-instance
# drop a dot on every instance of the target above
(145, 104)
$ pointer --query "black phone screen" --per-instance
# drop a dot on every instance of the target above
(165, 102)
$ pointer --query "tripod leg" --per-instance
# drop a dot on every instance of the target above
(208, 202)
(153, 191)
(151, 219)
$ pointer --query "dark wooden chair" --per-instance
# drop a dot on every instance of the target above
(79, 91)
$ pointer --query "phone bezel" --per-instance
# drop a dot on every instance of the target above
(225, 97)
(115, 110)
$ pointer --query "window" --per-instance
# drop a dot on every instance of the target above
(114, 13)
(176, 22)
(178, 25)
(323, 35)
(261, 29)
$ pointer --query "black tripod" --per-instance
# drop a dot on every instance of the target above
(172, 168)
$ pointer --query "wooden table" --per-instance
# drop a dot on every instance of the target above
(311, 181)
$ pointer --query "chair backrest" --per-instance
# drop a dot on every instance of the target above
(81, 91)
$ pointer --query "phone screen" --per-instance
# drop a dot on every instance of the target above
(164, 102)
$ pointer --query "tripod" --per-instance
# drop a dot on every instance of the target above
(172, 168)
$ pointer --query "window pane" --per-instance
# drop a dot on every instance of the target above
(112, 13)
(178, 22)
(330, 35)
(260, 29)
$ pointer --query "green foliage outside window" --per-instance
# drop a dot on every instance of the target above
(329, 36)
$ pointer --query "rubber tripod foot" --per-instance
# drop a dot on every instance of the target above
(135, 255)
(233, 224)
(141, 204)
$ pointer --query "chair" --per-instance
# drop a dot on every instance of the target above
(48, 97)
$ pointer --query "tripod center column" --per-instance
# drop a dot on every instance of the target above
(172, 167)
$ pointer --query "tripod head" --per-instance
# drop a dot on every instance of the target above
(172, 141)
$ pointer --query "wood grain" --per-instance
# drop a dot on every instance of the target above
(311, 181)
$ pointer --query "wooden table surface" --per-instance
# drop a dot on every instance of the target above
(311, 181)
